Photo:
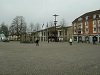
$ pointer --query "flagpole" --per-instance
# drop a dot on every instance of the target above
(47, 33)
(43, 32)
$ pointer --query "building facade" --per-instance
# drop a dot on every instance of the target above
(48, 34)
(2, 37)
(86, 26)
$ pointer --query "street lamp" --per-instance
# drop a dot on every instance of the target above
(55, 22)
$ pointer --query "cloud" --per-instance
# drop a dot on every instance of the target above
(42, 11)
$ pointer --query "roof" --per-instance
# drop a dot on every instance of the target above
(53, 28)
(2, 35)
(90, 14)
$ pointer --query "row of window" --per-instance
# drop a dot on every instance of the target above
(87, 17)
(86, 27)
(45, 33)
(94, 16)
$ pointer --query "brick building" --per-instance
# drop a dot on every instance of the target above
(86, 26)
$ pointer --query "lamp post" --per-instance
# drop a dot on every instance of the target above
(55, 22)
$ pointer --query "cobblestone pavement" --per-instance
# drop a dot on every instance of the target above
(49, 59)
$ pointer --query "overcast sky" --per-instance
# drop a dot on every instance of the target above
(42, 11)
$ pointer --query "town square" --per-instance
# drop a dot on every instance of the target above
(53, 58)
(49, 37)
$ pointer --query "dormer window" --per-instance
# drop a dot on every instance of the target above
(94, 16)
(80, 19)
(86, 17)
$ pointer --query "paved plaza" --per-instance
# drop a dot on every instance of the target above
(56, 58)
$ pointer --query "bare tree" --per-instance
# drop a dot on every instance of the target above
(12, 30)
(18, 26)
(31, 27)
(37, 28)
(63, 24)
(51, 23)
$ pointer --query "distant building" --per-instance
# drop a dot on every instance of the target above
(2, 37)
(86, 26)
(69, 32)
(62, 34)
(47, 34)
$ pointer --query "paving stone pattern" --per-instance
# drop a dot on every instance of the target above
(54, 58)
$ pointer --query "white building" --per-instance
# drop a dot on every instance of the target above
(62, 33)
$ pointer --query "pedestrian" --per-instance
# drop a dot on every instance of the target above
(37, 42)
(48, 40)
(94, 40)
(70, 41)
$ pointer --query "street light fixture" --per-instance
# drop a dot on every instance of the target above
(55, 22)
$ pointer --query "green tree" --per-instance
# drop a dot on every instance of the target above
(4, 30)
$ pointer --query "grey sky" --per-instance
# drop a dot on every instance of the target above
(42, 11)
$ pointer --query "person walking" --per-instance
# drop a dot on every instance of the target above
(37, 42)
(70, 41)
(94, 40)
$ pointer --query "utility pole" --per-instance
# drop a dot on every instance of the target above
(55, 22)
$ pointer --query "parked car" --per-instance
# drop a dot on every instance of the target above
(6, 40)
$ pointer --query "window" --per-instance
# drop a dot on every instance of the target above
(94, 16)
(99, 22)
(86, 29)
(80, 19)
(75, 31)
(94, 22)
(86, 17)
(44, 33)
(98, 25)
(79, 28)
(94, 29)
(99, 28)
(99, 15)
(60, 33)
(74, 24)
(79, 32)
(86, 23)
(75, 28)
(80, 25)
